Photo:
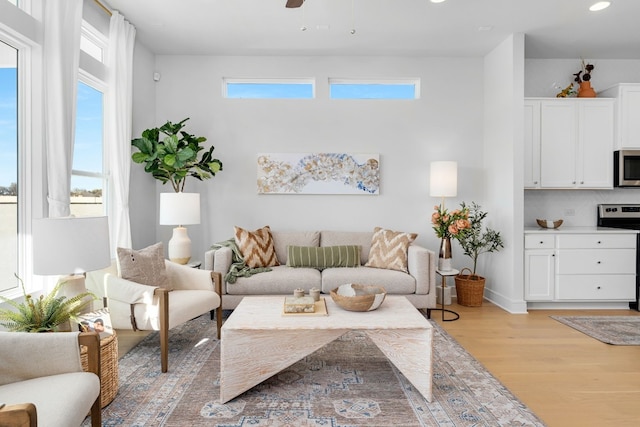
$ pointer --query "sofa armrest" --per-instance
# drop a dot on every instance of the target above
(127, 291)
(422, 266)
(218, 260)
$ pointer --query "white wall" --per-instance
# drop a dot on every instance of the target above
(503, 180)
(142, 190)
(540, 74)
(444, 124)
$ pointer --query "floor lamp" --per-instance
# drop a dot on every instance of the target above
(179, 209)
(70, 246)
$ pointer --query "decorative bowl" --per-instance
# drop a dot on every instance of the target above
(355, 297)
(549, 224)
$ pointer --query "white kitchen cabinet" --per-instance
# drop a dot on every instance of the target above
(531, 144)
(627, 127)
(566, 141)
(582, 267)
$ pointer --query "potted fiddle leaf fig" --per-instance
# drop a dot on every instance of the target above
(170, 154)
(48, 313)
(475, 241)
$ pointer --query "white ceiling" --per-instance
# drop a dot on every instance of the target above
(553, 28)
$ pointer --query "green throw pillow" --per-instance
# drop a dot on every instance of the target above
(321, 257)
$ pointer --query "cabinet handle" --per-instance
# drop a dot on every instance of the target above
(598, 287)
(581, 182)
(599, 242)
(598, 262)
(541, 242)
(553, 254)
(535, 182)
(573, 182)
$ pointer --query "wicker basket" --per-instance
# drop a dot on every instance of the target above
(469, 289)
(108, 368)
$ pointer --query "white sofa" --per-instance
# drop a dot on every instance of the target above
(418, 285)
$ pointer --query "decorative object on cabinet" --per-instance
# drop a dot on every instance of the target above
(583, 78)
(318, 173)
(544, 223)
(474, 242)
(175, 157)
(566, 92)
(179, 209)
(444, 183)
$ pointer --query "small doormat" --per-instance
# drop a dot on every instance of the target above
(616, 330)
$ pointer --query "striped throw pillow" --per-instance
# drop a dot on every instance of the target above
(389, 249)
(324, 256)
(256, 247)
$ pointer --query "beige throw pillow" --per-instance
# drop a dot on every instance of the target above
(256, 247)
(144, 266)
(389, 249)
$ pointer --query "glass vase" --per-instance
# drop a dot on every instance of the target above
(445, 257)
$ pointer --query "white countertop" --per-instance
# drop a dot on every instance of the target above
(578, 230)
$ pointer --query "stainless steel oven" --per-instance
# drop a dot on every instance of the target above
(626, 168)
(628, 217)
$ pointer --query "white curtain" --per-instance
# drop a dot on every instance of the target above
(62, 24)
(118, 127)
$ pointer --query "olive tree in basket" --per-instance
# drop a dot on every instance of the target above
(476, 241)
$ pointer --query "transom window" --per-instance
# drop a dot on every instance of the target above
(374, 89)
(269, 88)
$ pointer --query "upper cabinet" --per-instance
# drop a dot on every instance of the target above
(568, 143)
(627, 114)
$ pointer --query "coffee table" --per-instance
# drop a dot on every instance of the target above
(258, 340)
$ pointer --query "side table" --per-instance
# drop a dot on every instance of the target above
(444, 275)
(108, 368)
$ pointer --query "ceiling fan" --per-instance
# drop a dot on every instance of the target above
(294, 3)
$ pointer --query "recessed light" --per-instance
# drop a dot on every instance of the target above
(437, 1)
(599, 6)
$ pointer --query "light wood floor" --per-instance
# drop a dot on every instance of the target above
(565, 377)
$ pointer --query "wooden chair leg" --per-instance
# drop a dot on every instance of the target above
(217, 280)
(164, 329)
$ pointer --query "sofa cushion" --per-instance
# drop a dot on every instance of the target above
(389, 249)
(324, 257)
(144, 266)
(256, 247)
(283, 239)
(395, 282)
(281, 280)
(337, 238)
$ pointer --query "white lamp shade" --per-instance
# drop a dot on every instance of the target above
(70, 245)
(179, 208)
(443, 181)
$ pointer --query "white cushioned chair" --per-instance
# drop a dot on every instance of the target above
(192, 293)
(42, 382)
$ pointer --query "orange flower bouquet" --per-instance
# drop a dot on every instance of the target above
(450, 224)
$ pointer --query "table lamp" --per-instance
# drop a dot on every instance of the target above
(443, 179)
(70, 246)
(179, 209)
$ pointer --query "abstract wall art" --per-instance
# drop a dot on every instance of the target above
(318, 173)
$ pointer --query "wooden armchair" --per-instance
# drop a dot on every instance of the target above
(150, 308)
(41, 377)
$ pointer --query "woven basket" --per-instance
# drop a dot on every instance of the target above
(108, 368)
(469, 289)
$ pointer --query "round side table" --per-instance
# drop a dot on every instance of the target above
(444, 274)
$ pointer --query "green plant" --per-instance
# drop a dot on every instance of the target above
(174, 157)
(42, 314)
(477, 240)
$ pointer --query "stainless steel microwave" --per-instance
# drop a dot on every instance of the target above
(626, 168)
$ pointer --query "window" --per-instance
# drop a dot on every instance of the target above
(269, 88)
(374, 89)
(87, 177)
(9, 207)
(92, 42)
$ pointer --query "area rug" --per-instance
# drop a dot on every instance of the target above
(617, 330)
(347, 383)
